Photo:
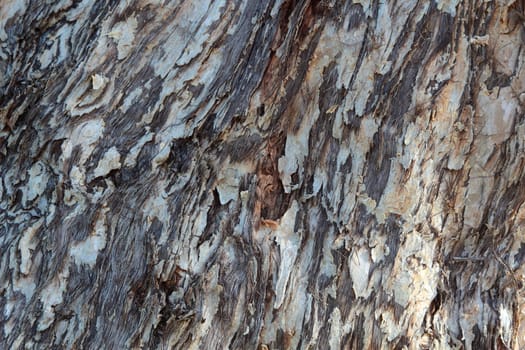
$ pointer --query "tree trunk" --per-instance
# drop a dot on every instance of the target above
(262, 175)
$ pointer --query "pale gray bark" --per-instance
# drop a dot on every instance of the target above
(262, 174)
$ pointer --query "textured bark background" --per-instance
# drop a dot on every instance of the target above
(262, 174)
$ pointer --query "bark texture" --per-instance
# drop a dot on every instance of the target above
(274, 174)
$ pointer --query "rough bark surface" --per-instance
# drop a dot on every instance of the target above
(262, 174)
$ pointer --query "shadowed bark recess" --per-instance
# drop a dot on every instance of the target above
(262, 174)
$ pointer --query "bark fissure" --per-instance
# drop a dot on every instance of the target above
(272, 174)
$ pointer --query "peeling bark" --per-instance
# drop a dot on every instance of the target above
(265, 174)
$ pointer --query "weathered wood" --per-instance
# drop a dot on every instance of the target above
(262, 174)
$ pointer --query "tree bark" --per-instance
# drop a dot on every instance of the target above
(276, 174)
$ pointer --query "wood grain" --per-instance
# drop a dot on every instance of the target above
(274, 174)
